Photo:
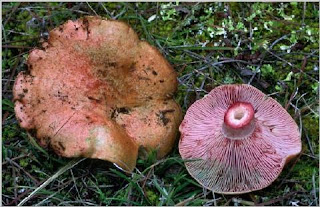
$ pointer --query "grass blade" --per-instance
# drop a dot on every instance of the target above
(68, 166)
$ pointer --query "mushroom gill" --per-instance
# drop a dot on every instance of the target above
(237, 140)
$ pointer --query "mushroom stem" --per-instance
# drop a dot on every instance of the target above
(239, 121)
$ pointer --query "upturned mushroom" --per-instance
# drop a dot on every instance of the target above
(95, 90)
(237, 140)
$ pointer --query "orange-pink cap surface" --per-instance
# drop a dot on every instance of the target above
(97, 91)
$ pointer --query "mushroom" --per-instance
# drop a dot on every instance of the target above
(97, 91)
(237, 139)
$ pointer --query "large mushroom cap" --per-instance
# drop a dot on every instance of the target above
(97, 91)
(237, 140)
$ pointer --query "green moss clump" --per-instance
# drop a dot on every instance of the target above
(152, 196)
(10, 132)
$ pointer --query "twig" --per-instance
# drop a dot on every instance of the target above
(269, 51)
(292, 65)
(13, 10)
(20, 168)
(144, 183)
(297, 110)
(278, 199)
(76, 203)
(244, 202)
(5, 116)
(303, 66)
(214, 198)
(106, 10)
(278, 40)
(255, 72)
(228, 202)
(47, 198)
(11, 75)
(294, 164)
(184, 202)
(4, 36)
(295, 92)
(253, 199)
(75, 184)
(92, 9)
(16, 47)
(15, 184)
(308, 107)
(258, 68)
(312, 156)
(16, 158)
(308, 140)
(314, 192)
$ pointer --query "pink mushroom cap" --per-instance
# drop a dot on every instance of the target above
(237, 139)
(96, 90)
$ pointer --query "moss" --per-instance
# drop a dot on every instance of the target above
(23, 163)
(311, 125)
(10, 132)
(303, 172)
(152, 196)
